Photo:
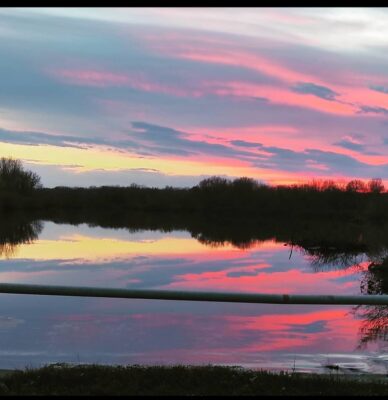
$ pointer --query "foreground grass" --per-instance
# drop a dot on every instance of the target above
(178, 380)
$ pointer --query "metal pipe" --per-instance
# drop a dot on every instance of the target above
(14, 288)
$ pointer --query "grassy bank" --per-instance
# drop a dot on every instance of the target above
(179, 380)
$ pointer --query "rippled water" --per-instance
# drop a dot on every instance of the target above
(35, 330)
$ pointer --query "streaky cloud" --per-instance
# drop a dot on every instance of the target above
(170, 141)
(40, 138)
(322, 92)
(378, 88)
(348, 144)
(375, 110)
(243, 143)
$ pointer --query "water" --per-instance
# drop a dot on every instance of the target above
(36, 330)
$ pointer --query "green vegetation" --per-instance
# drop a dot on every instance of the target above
(180, 380)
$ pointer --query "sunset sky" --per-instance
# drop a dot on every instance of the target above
(100, 96)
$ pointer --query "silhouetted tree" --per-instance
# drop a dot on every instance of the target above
(356, 185)
(244, 183)
(321, 185)
(14, 178)
(214, 182)
(329, 184)
(376, 185)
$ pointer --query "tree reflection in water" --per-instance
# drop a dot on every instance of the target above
(374, 281)
(374, 324)
(15, 231)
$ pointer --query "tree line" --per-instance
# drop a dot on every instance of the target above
(22, 189)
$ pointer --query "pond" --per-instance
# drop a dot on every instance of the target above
(36, 330)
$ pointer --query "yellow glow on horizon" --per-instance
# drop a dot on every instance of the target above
(97, 158)
(83, 160)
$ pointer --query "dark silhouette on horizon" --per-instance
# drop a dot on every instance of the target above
(242, 197)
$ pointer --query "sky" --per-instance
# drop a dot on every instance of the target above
(170, 96)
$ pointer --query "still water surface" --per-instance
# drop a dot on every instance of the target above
(36, 330)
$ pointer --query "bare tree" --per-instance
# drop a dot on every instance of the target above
(356, 185)
(376, 185)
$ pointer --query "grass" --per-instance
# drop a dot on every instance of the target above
(62, 379)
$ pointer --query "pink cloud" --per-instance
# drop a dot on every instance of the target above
(91, 77)
(352, 88)
(222, 50)
(280, 95)
(139, 81)
(103, 79)
(246, 60)
(284, 136)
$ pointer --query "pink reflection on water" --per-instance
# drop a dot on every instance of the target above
(289, 281)
(222, 337)
(187, 332)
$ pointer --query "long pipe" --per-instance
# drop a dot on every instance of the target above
(192, 296)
